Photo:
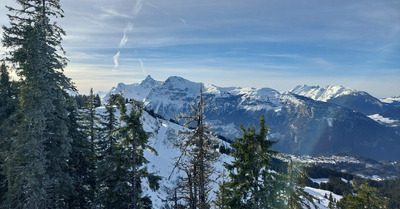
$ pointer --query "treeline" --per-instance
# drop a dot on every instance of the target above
(81, 100)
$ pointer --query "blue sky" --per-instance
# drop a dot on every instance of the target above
(254, 43)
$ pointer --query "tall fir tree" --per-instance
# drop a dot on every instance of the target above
(198, 156)
(8, 100)
(251, 184)
(110, 154)
(130, 161)
(90, 121)
(80, 162)
(37, 169)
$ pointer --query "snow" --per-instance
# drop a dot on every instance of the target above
(319, 194)
(382, 120)
(321, 93)
(164, 136)
(133, 91)
(391, 99)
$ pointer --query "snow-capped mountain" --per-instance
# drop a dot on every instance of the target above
(355, 100)
(134, 91)
(391, 100)
(322, 93)
(301, 124)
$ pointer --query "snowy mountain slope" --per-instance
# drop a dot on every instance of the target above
(302, 125)
(164, 136)
(355, 100)
(321, 93)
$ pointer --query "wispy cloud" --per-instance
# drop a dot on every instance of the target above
(124, 39)
(138, 6)
(116, 63)
(142, 66)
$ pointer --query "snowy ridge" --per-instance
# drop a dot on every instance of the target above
(134, 91)
(322, 93)
(391, 100)
(175, 95)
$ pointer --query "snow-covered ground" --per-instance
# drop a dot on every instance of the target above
(322, 197)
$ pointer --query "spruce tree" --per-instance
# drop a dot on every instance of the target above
(38, 166)
(198, 156)
(109, 171)
(80, 162)
(90, 121)
(251, 184)
(366, 197)
(133, 142)
(7, 118)
(295, 195)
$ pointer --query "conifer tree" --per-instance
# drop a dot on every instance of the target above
(80, 162)
(251, 183)
(38, 166)
(295, 195)
(7, 118)
(90, 121)
(221, 195)
(109, 154)
(366, 197)
(134, 141)
(198, 156)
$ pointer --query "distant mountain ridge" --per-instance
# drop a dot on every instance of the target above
(302, 125)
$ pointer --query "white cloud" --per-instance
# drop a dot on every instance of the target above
(142, 66)
(116, 56)
(124, 39)
(138, 6)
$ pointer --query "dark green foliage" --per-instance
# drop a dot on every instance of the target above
(336, 185)
(389, 189)
(109, 156)
(251, 184)
(122, 163)
(8, 103)
(315, 171)
(80, 163)
(366, 197)
(37, 167)
(295, 195)
(82, 100)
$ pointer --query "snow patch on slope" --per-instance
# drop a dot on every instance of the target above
(382, 120)
(322, 202)
(391, 100)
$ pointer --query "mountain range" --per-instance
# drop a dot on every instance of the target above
(308, 120)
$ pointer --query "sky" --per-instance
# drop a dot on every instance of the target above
(253, 43)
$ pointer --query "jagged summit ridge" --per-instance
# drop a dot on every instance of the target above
(322, 93)
(302, 125)
(134, 91)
